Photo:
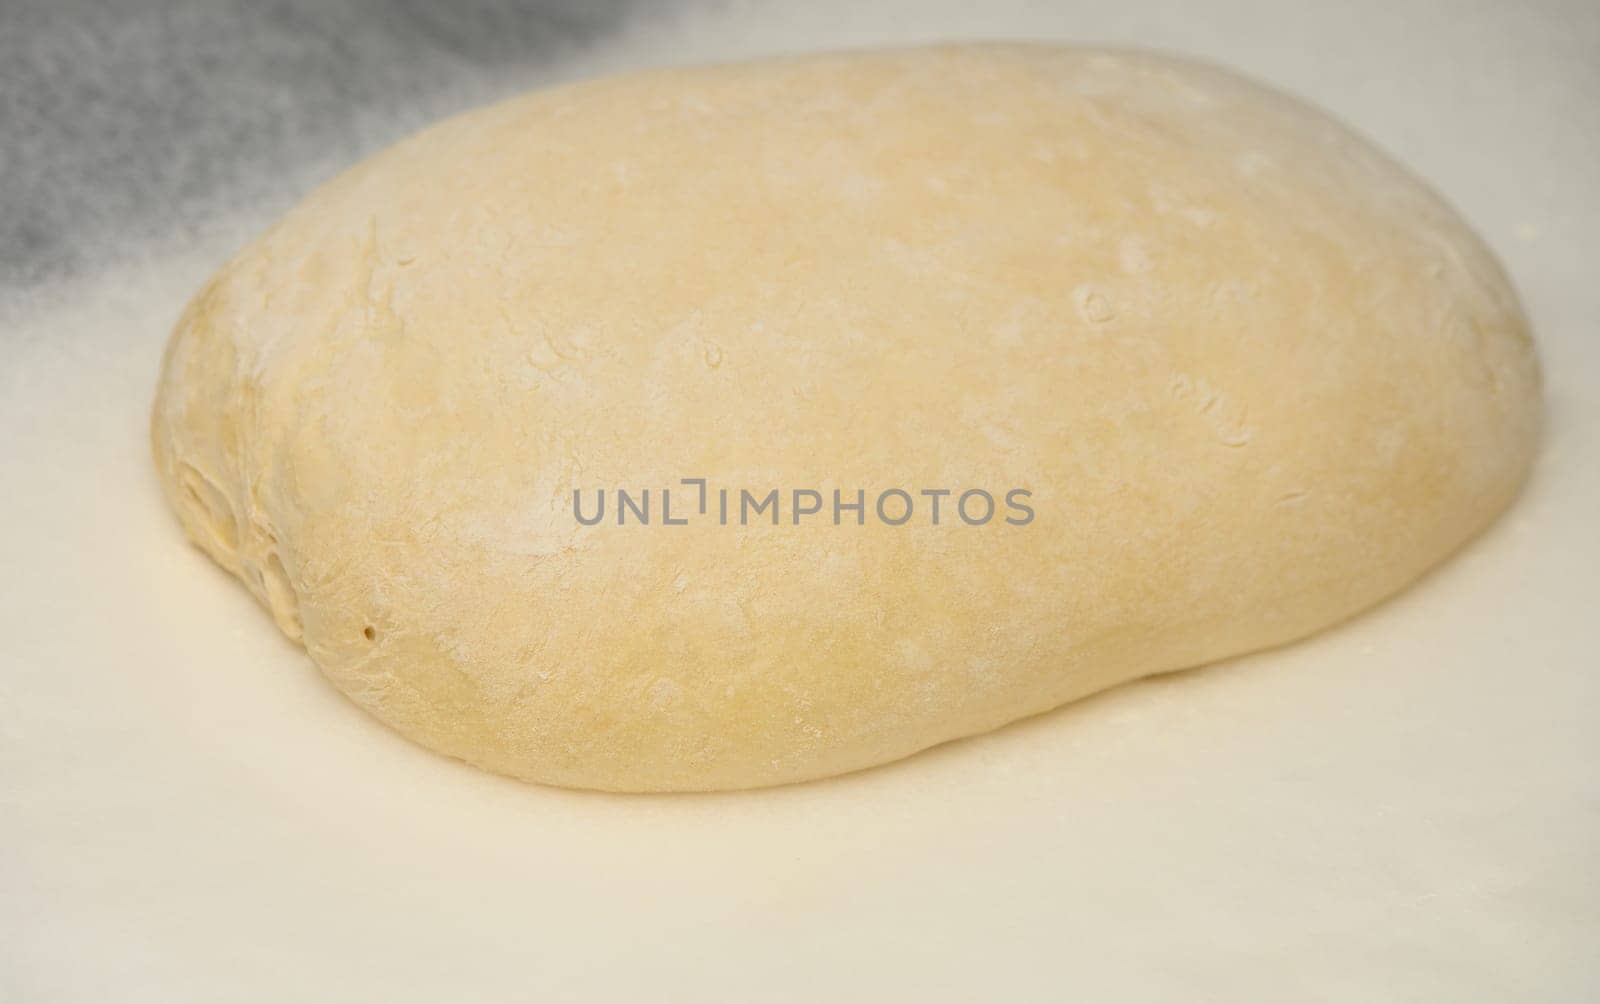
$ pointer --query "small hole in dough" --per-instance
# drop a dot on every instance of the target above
(369, 634)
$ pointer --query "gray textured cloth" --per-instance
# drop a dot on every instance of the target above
(122, 121)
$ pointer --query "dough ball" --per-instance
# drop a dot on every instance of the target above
(1250, 375)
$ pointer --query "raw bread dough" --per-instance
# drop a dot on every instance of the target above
(1254, 375)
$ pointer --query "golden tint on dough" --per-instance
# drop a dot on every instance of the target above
(1253, 376)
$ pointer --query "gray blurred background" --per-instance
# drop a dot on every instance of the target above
(122, 121)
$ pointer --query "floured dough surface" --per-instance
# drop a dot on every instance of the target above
(1253, 375)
